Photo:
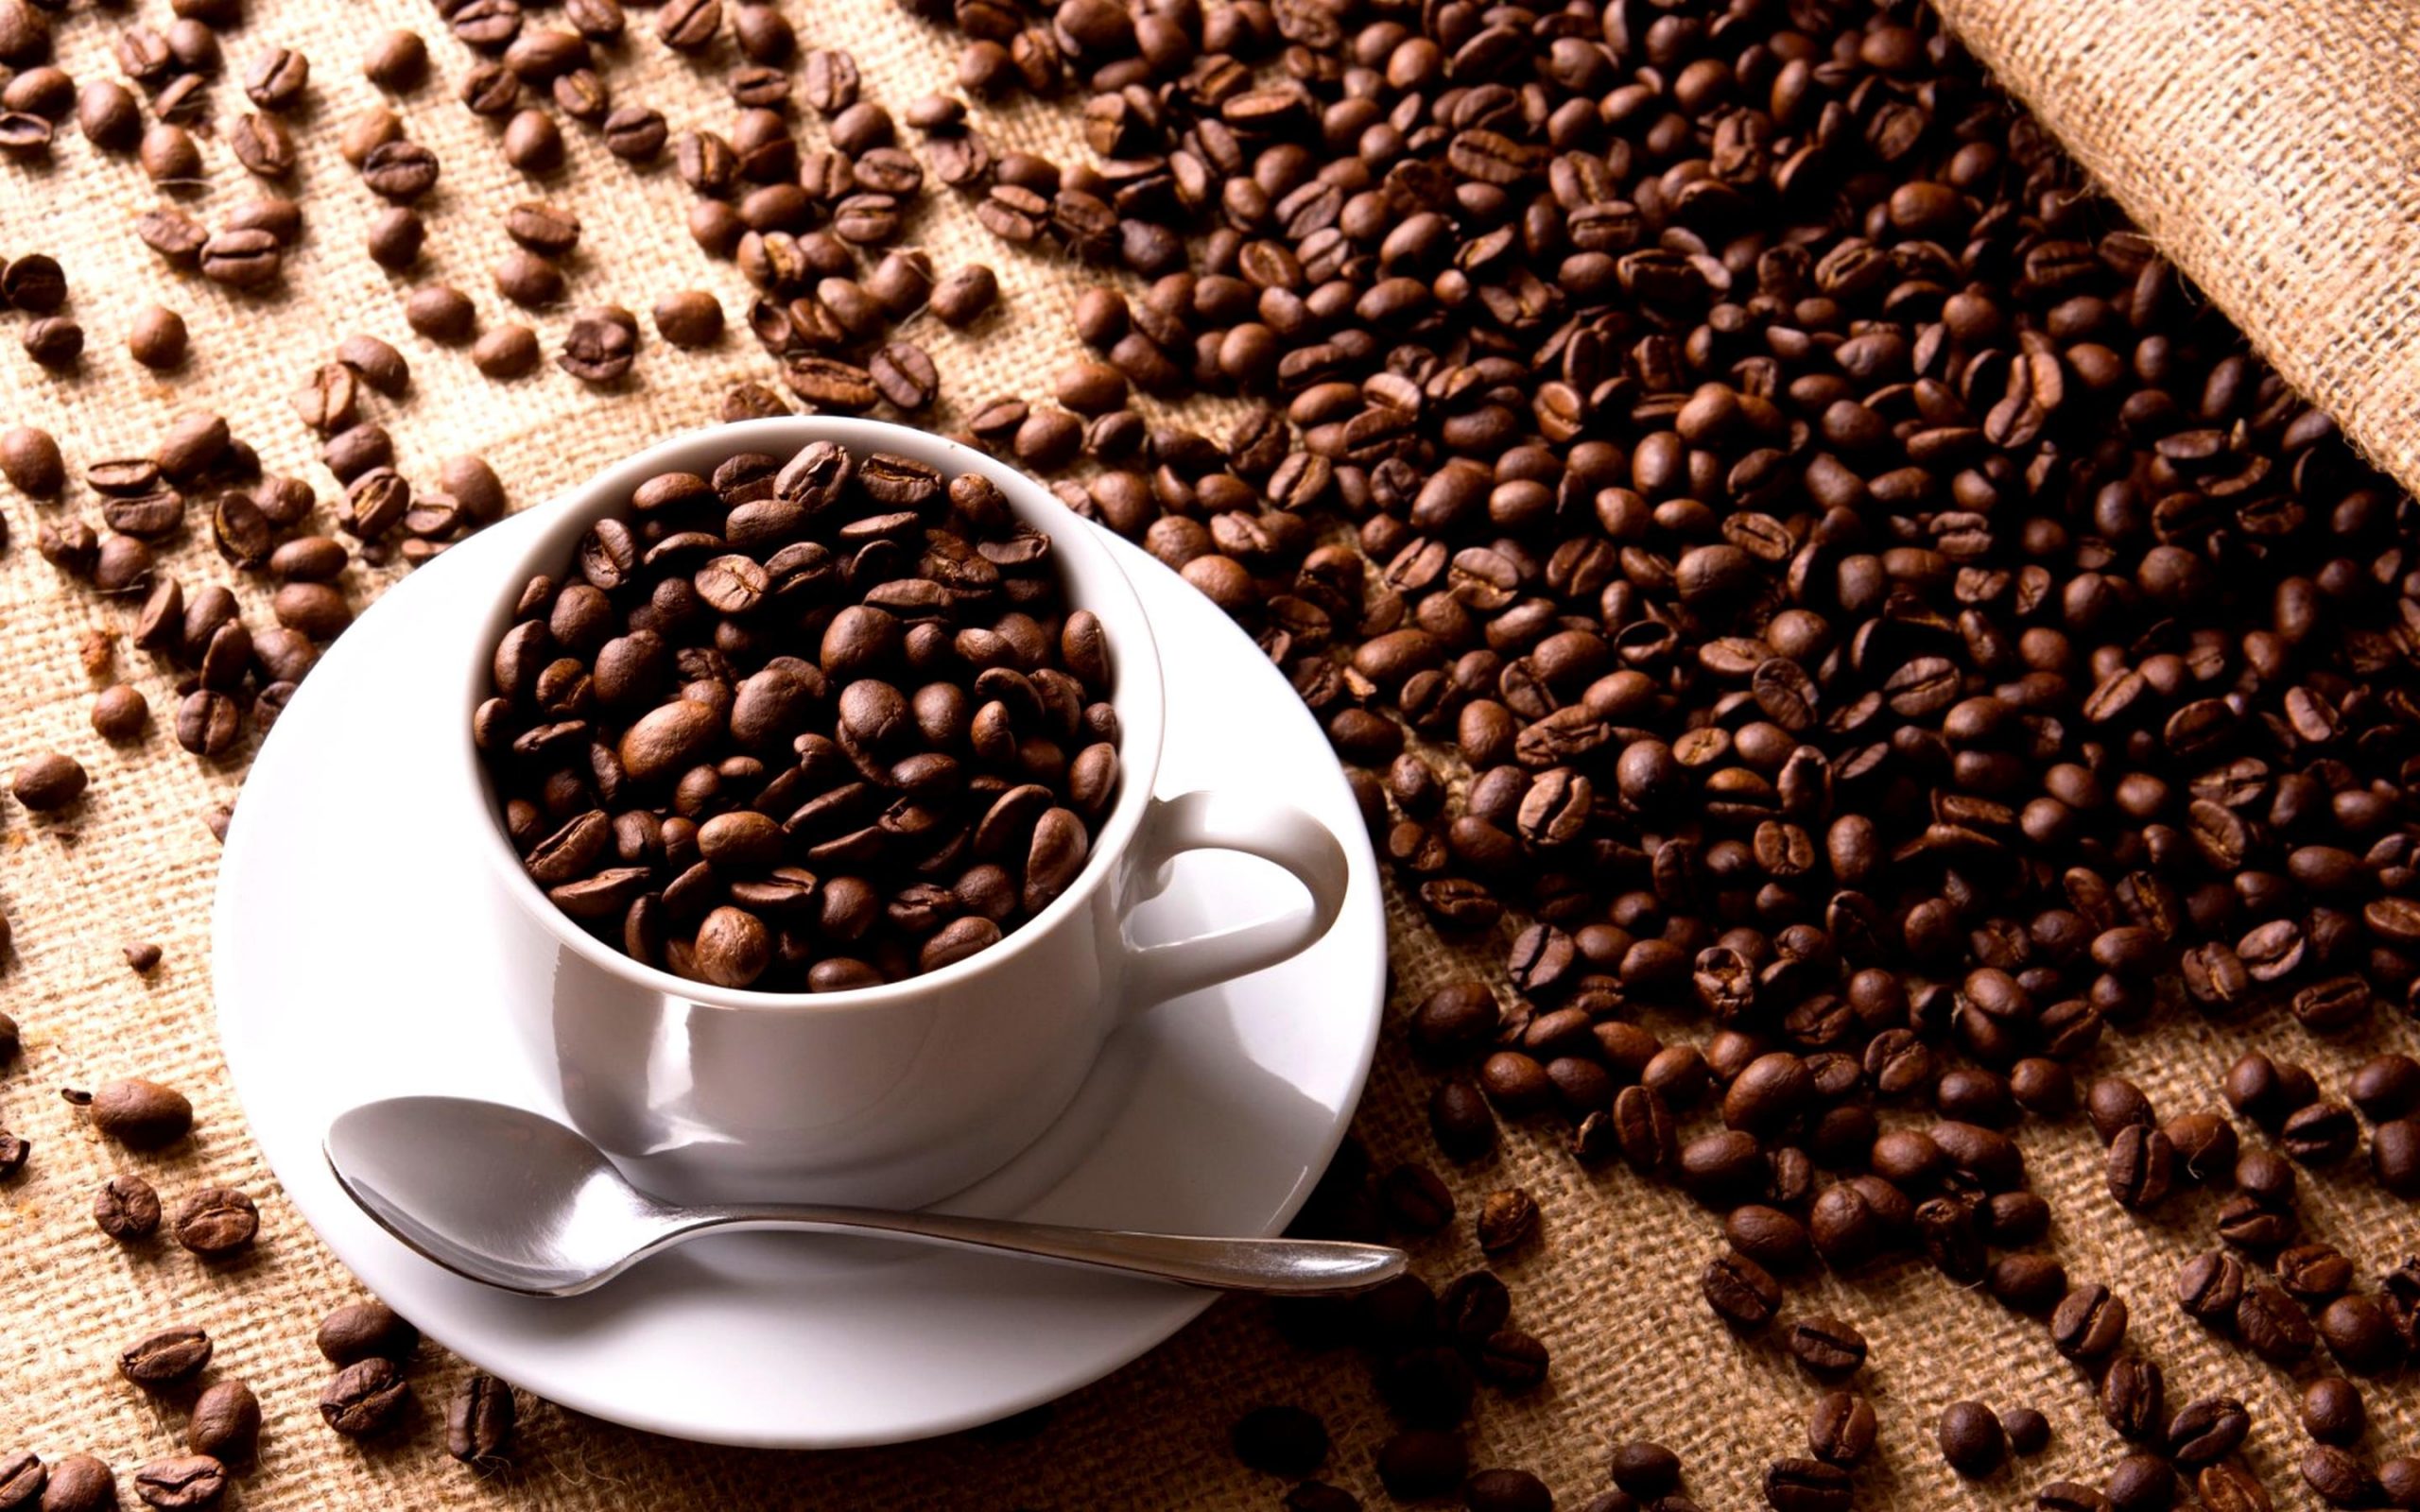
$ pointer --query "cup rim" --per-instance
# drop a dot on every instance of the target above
(1139, 692)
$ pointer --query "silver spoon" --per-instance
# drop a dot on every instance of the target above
(516, 1200)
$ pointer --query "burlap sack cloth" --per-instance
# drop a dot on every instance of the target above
(2275, 177)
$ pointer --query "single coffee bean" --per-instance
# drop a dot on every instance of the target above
(167, 1358)
(2332, 1411)
(689, 318)
(2089, 1323)
(1842, 1428)
(1805, 1486)
(1742, 1293)
(141, 1114)
(31, 460)
(1507, 1220)
(185, 1483)
(226, 1422)
(1971, 1439)
(479, 1420)
(1420, 1462)
(80, 1482)
(358, 1330)
(365, 1398)
(1826, 1346)
(157, 338)
(48, 782)
(2338, 1477)
(1280, 1441)
(2029, 1432)
(127, 1208)
(506, 351)
(2132, 1398)
(216, 1222)
(2206, 1432)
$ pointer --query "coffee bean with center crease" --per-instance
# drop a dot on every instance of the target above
(1841, 1429)
(479, 1420)
(1826, 1346)
(367, 1397)
(2089, 1323)
(184, 1483)
(2207, 1431)
(216, 1222)
(1806, 1486)
(1742, 1293)
(167, 1358)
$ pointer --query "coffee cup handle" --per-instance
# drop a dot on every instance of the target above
(1279, 834)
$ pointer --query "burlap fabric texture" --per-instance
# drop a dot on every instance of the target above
(2267, 146)
(1611, 1288)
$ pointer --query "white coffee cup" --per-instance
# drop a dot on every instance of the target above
(902, 1093)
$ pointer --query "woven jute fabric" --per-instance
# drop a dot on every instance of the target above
(2267, 146)
(2294, 246)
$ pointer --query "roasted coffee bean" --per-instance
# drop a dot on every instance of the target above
(1280, 1441)
(1971, 1439)
(1805, 1486)
(31, 460)
(2340, 1478)
(1420, 1462)
(216, 1222)
(2089, 1323)
(2272, 1326)
(1507, 1220)
(226, 1422)
(358, 1330)
(166, 1359)
(48, 783)
(479, 1420)
(80, 1482)
(1742, 1293)
(2332, 1411)
(2207, 1431)
(1826, 1346)
(127, 1208)
(365, 1398)
(141, 1114)
(2132, 1398)
(1841, 1429)
(185, 1483)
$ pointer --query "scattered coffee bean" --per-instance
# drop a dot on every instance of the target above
(127, 1208)
(1842, 1429)
(216, 1222)
(1507, 1220)
(184, 1483)
(1280, 1441)
(167, 1358)
(358, 1330)
(365, 1398)
(1972, 1439)
(226, 1422)
(480, 1418)
(141, 1114)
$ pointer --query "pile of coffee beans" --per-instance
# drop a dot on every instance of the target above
(805, 724)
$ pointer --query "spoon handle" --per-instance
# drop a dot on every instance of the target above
(1277, 1267)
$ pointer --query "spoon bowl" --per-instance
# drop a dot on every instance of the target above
(516, 1200)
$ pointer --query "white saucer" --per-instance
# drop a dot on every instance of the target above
(360, 952)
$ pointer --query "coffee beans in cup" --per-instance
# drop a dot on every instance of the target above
(803, 724)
